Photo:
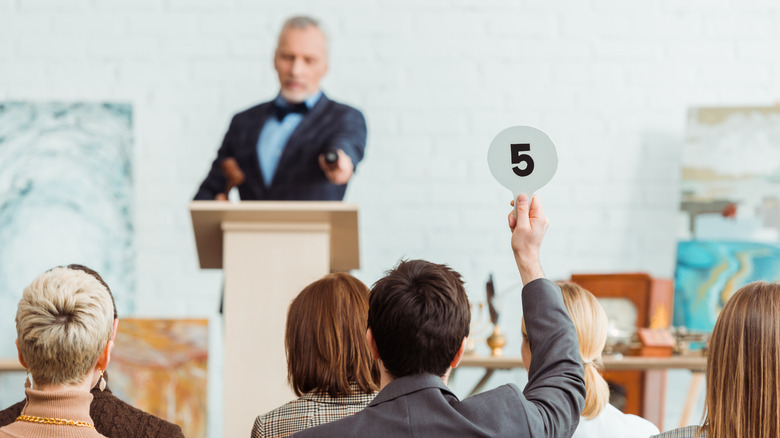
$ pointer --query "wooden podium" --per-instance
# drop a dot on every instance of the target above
(268, 251)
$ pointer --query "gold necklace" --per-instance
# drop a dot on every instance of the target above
(57, 421)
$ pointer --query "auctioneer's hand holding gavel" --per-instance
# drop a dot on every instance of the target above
(234, 175)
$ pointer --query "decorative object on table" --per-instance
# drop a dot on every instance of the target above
(655, 343)
(496, 341)
(690, 342)
(478, 326)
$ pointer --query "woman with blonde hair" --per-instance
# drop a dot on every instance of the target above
(329, 364)
(64, 324)
(599, 419)
(743, 369)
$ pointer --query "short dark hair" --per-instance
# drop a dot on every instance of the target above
(325, 338)
(418, 314)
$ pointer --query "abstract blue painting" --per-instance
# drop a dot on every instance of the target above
(709, 272)
(65, 197)
(730, 205)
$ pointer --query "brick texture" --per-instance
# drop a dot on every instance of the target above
(608, 80)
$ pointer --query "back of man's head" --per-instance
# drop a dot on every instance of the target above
(418, 314)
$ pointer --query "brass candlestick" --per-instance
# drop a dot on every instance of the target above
(496, 341)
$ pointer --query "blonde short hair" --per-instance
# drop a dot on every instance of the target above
(63, 322)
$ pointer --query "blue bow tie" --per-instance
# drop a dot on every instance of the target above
(282, 111)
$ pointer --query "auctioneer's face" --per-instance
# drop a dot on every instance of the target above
(301, 61)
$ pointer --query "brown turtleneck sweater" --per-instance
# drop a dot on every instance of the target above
(113, 418)
(66, 405)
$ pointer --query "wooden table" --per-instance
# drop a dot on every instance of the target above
(696, 364)
(10, 364)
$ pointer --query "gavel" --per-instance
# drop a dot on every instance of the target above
(234, 175)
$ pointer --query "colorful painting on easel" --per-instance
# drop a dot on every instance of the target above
(730, 208)
(160, 366)
(709, 272)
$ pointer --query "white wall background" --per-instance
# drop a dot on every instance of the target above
(608, 80)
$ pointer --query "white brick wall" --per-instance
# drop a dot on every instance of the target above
(609, 80)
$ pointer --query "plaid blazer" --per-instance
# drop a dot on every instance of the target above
(309, 410)
(683, 432)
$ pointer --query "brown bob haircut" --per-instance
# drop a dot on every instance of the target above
(325, 338)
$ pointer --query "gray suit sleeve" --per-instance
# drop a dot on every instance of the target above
(555, 392)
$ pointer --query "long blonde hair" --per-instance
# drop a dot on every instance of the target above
(590, 321)
(743, 368)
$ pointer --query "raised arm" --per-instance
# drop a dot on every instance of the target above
(527, 233)
(555, 392)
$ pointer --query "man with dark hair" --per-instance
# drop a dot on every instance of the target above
(406, 305)
(417, 327)
(112, 416)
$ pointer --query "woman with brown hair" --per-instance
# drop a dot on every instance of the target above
(329, 364)
(599, 419)
(743, 369)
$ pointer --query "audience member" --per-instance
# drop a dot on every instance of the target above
(64, 327)
(329, 364)
(599, 419)
(743, 369)
(418, 321)
(112, 417)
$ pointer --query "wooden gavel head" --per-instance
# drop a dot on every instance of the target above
(234, 175)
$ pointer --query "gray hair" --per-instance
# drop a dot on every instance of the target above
(302, 22)
(63, 323)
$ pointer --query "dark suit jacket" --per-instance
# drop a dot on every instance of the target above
(549, 406)
(298, 176)
(113, 418)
